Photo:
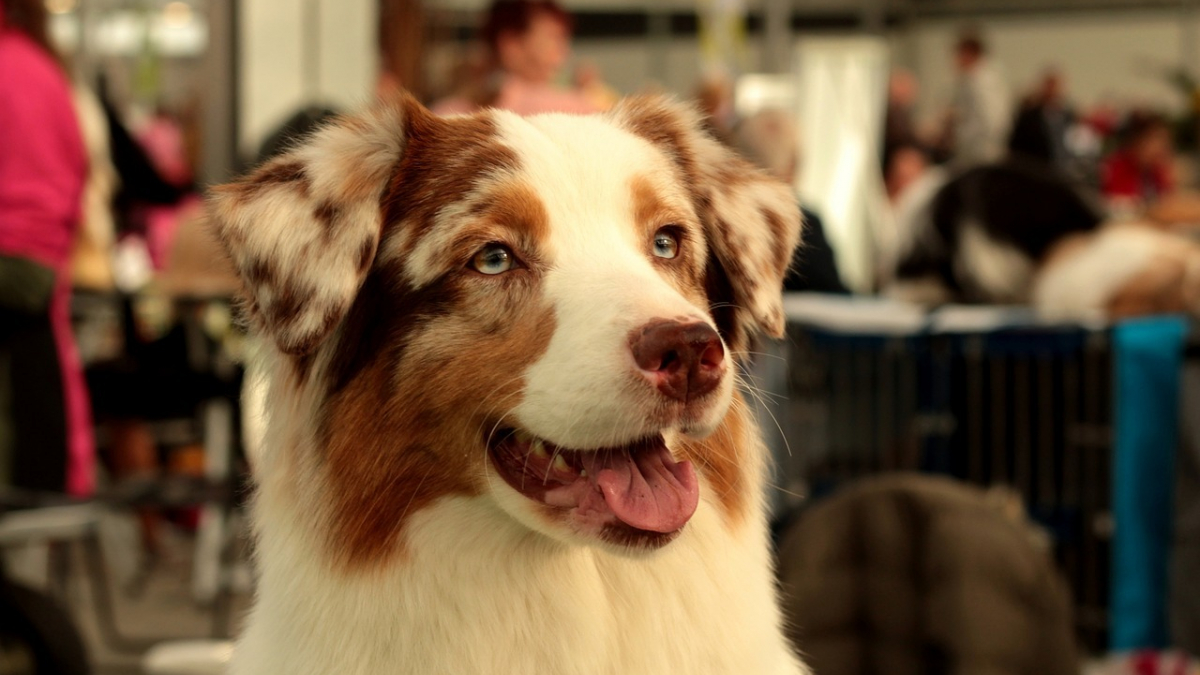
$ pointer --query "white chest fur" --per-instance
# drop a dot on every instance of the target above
(478, 593)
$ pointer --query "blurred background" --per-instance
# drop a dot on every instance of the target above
(984, 415)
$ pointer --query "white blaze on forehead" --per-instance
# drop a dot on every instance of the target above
(600, 278)
(583, 168)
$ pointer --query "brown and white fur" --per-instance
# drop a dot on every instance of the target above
(387, 541)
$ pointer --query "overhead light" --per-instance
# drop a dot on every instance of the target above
(60, 6)
(176, 13)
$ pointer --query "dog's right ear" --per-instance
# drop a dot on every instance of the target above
(303, 229)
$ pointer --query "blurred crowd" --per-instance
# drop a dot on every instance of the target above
(97, 196)
(1129, 155)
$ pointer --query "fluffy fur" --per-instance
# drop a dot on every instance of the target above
(386, 541)
(1018, 233)
(1126, 269)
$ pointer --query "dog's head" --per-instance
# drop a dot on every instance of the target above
(543, 311)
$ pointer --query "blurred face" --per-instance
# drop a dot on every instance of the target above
(905, 168)
(1052, 88)
(902, 88)
(537, 54)
(1154, 147)
(965, 59)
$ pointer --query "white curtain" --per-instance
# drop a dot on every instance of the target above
(840, 102)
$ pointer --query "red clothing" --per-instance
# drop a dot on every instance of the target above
(43, 166)
(1123, 178)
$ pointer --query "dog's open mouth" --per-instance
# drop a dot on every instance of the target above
(634, 493)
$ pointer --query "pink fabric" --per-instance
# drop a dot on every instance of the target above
(161, 224)
(524, 98)
(162, 140)
(42, 170)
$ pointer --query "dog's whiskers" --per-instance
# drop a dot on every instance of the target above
(765, 406)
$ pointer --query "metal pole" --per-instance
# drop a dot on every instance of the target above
(310, 49)
(874, 15)
(658, 30)
(218, 159)
(1187, 38)
(777, 31)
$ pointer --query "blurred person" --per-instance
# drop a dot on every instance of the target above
(91, 259)
(1142, 179)
(162, 139)
(528, 43)
(1103, 118)
(911, 179)
(904, 165)
(1138, 173)
(590, 83)
(46, 441)
(714, 98)
(899, 126)
(981, 111)
(467, 82)
(1043, 123)
(769, 138)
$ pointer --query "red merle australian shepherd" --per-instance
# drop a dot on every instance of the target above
(503, 436)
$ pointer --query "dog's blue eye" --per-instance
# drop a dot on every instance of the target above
(494, 259)
(666, 244)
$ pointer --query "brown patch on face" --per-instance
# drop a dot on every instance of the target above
(664, 128)
(719, 291)
(515, 205)
(444, 161)
(416, 380)
(717, 460)
(651, 212)
(735, 282)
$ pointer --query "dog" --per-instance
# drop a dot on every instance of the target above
(502, 430)
(1018, 232)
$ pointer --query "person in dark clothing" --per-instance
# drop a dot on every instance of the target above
(814, 268)
(1040, 129)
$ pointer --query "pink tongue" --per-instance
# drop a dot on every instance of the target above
(650, 492)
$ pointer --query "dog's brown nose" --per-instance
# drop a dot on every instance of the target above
(683, 360)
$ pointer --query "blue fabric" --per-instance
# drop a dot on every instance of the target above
(1148, 361)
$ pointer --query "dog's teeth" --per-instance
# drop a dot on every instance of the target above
(583, 473)
(560, 464)
(539, 448)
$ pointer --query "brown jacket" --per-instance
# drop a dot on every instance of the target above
(913, 574)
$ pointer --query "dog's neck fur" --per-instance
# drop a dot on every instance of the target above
(475, 592)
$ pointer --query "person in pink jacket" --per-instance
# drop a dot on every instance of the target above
(528, 43)
(46, 438)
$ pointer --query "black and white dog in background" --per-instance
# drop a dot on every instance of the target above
(1018, 233)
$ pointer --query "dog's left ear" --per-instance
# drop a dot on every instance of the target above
(752, 221)
(303, 229)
